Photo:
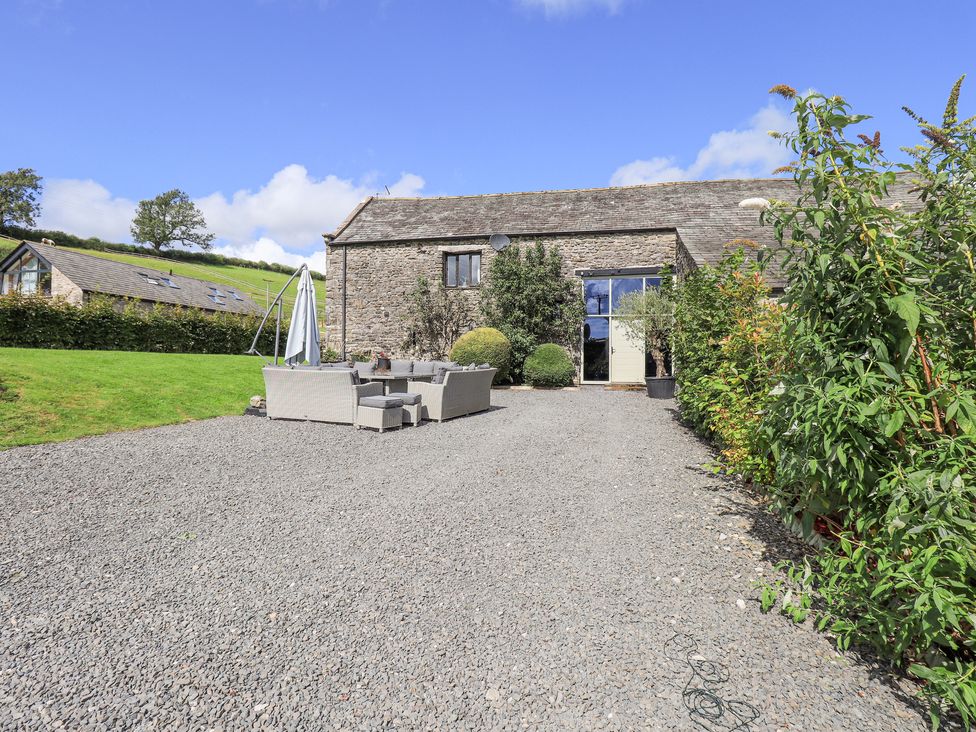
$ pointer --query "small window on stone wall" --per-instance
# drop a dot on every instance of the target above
(462, 270)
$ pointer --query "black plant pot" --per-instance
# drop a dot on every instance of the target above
(660, 387)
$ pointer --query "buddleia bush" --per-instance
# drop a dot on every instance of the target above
(874, 434)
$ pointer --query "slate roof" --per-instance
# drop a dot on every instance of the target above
(705, 214)
(109, 277)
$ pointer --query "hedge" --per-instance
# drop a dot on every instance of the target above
(484, 345)
(36, 322)
(549, 365)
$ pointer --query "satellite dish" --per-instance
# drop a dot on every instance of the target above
(499, 241)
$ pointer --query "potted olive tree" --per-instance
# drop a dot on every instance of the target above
(648, 319)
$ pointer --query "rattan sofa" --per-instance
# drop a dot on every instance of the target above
(463, 392)
(317, 394)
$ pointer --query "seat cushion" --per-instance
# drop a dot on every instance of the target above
(353, 374)
(441, 372)
(380, 402)
(405, 397)
(401, 366)
(364, 368)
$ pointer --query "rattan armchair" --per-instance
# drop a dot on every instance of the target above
(463, 392)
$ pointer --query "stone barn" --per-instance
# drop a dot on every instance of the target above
(613, 240)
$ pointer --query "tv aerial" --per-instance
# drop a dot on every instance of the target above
(499, 241)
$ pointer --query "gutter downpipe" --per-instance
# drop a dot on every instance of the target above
(344, 250)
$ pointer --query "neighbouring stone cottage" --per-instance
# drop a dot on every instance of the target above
(615, 240)
(37, 268)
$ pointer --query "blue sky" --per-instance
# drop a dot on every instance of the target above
(278, 115)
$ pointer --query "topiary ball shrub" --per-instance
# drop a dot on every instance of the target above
(484, 345)
(549, 365)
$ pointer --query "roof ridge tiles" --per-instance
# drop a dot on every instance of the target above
(657, 184)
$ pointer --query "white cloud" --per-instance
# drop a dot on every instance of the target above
(268, 250)
(554, 8)
(293, 208)
(648, 171)
(283, 221)
(85, 208)
(745, 153)
(409, 186)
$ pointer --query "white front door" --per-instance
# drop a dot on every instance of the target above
(626, 356)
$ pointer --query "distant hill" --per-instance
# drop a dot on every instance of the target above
(260, 284)
(71, 241)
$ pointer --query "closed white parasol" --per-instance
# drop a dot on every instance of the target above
(303, 335)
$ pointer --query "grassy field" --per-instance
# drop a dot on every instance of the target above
(251, 281)
(110, 391)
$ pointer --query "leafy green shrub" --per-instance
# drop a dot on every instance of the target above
(874, 435)
(727, 341)
(526, 297)
(361, 356)
(484, 345)
(37, 322)
(549, 365)
(435, 319)
(703, 319)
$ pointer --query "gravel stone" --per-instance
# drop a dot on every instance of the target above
(501, 571)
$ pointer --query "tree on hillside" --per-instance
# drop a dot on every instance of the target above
(168, 219)
(19, 191)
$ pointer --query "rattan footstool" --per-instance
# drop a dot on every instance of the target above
(379, 413)
(412, 411)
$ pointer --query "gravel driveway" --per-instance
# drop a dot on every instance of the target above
(557, 563)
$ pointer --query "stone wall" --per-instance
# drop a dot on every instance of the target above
(379, 276)
(64, 288)
(684, 262)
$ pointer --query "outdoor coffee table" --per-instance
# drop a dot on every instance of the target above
(397, 382)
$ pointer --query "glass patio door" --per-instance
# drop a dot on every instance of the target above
(609, 356)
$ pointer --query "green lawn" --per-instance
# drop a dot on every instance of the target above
(7, 246)
(251, 281)
(49, 396)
